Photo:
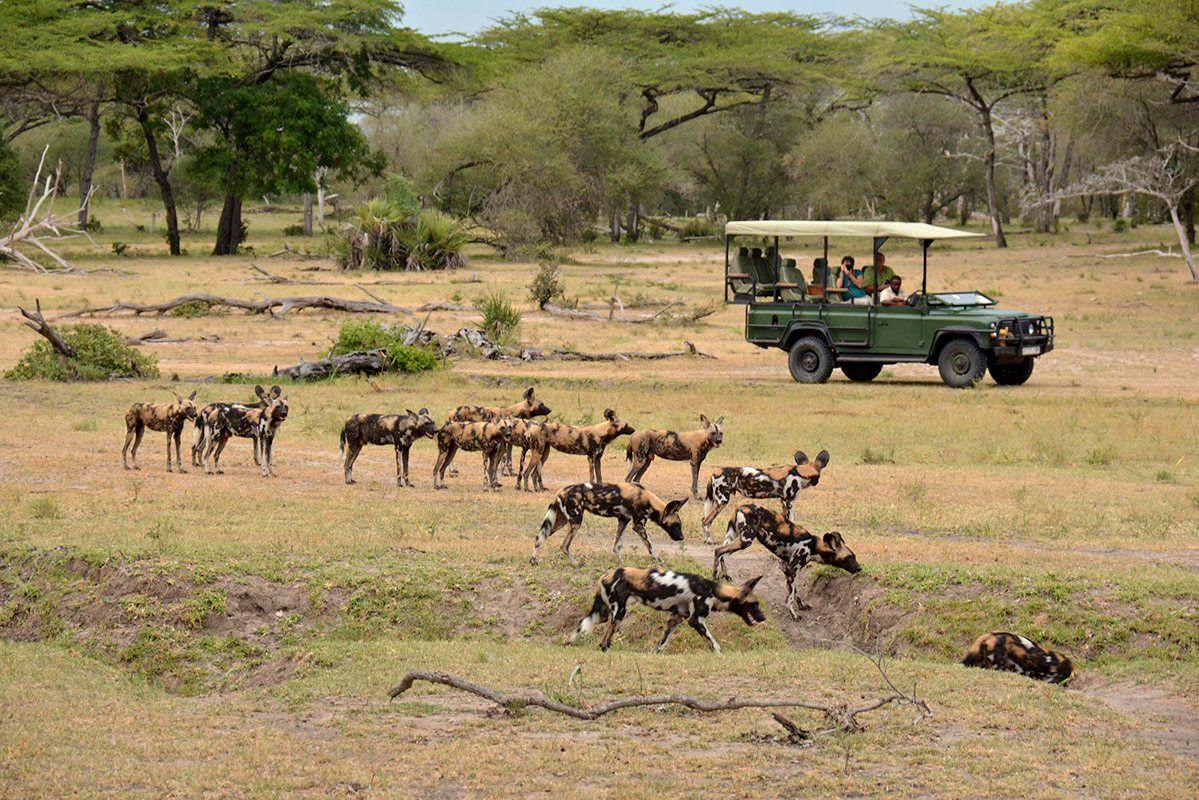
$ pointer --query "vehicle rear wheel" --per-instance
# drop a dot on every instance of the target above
(1012, 374)
(962, 363)
(861, 373)
(810, 360)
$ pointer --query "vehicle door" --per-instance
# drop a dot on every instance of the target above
(848, 325)
(898, 330)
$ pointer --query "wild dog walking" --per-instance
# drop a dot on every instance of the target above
(627, 502)
(689, 598)
(531, 437)
(782, 482)
(527, 408)
(207, 414)
(692, 446)
(491, 438)
(1011, 652)
(169, 417)
(791, 544)
(399, 430)
(590, 441)
(260, 423)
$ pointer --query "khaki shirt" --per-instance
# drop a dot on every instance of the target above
(870, 279)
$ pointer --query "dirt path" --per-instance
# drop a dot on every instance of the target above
(1161, 716)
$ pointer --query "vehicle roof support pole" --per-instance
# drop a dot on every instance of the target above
(727, 241)
(824, 294)
(778, 265)
(924, 280)
(879, 241)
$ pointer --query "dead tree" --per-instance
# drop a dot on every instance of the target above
(40, 219)
(36, 321)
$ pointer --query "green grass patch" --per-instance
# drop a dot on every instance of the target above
(100, 354)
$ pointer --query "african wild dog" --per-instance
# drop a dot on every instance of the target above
(691, 446)
(627, 502)
(208, 413)
(689, 598)
(260, 423)
(587, 441)
(531, 437)
(401, 431)
(169, 417)
(1013, 653)
(791, 544)
(527, 408)
(489, 437)
(783, 482)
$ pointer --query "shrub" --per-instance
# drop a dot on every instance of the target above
(500, 319)
(435, 241)
(294, 230)
(547, 285)
(100, 354)
(355, 336)
(191, 309)
(695, 227)
(385, 235)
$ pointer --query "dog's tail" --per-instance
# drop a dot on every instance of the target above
(198, 437)
(600, 612)
(342, 447)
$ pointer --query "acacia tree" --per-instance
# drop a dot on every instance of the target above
(980, 58)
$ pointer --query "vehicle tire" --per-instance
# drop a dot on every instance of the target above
(861, 373)
(810, 360)
(1012, 374)
(962, 363)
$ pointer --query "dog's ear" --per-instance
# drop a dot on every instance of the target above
(833, 540)
(748, 587)
(822, 459)
(529, 393)
(720, 420)
(609, 415)
(801, 457)
(276, 391)
(178, 397)
(410, 412)
(192, 396)
(424, 411)
(673, 506)
(258, 390)
(703, 420)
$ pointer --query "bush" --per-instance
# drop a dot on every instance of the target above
(500, 319)
(356, 336)
(385, 235)
(294, 230)
(547, 285)
(695, 227)
(100, 354)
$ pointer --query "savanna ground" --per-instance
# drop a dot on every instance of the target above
(184, 635)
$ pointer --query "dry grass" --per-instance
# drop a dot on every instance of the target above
(1065, 509)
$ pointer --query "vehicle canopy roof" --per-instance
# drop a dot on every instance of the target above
(876, 230)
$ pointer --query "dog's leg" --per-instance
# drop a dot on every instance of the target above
(672, 623)
(621, 524)
(137, 442)
(575, 524)
(700, 623)
(177, 435)
(794, 604)
(129, 434)
(619, 606)
(168, 448)
(404, 454)
(732, 544)
(695, 465)
(352, 451)
(713, 505)
(639, 529)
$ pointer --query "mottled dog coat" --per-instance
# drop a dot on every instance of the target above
(527, 408)
(687, 598)
(692, 446)
(490, 438)
(394, 429)
(169, 417)
(260, 423)
(530, 436)
(783, 482)
(791, 544)
(1011, 652)
(206, 415)
(590, 441)
(627, 502)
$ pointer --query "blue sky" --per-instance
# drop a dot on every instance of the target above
(469, 16)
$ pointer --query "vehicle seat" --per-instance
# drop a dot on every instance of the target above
(763, 273)
(741, 278)
(792, 286)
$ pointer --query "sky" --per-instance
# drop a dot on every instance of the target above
(469, 16)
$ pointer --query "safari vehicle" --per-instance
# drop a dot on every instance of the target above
(961, 332)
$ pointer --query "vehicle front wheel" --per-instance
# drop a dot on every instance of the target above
(962, 363)
(810, 360)
(1012, 374)
(861, 373)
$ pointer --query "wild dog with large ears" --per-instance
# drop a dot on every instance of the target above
(398, 430)
(169, 417)
(590, 441)
(783, 482)
(627, 502)
(259, 422)
(692, 446)
(687, 598)
(528, 407)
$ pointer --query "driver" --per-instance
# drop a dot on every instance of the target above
(893, 294)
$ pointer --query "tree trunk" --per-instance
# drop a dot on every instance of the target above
(989, 168)
(228, 230)
(1044, 170)
(307, 213)
(1064, 178)
(124, 184)
(1188, 214)
(633, 226)
(614, 226)
(89, 163)
(1182, 240)
(163, 179)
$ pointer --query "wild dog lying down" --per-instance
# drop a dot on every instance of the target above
(791, 544)
(527, 408)
(1013, 653)
(781, 481)
(254, 422)
(401, 431)
(206, 415)
(490, 438)
(589, 441)
(627, 502)
(685, 597)
(169, 417)
(691, 446)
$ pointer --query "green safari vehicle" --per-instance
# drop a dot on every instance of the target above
(961, 332)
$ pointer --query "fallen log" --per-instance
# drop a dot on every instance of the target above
(159, 336)
(268, 305)
(443, 307)
(575, 355)
(364, 362)
(574, 313)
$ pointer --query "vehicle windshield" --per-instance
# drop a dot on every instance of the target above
(961, 299)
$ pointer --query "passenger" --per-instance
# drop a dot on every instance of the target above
(877, 276)
(851, 282)
(892, 295)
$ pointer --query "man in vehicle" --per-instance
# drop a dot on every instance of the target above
(893, 294)
(877, 276)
